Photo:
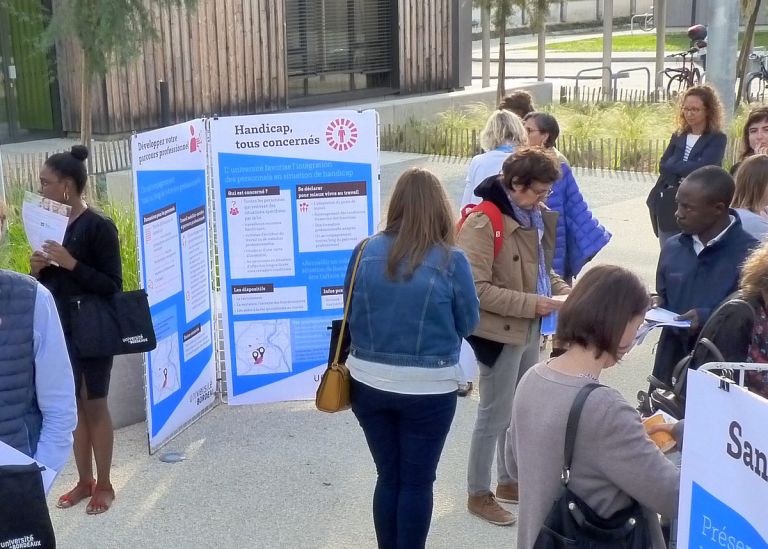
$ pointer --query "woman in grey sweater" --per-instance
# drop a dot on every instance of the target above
(614, 461)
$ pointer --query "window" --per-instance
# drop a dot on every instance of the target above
(337, 46)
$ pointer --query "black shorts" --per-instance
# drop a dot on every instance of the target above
(95, 372)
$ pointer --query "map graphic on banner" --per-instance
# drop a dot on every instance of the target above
(724, 479)
(169, 170)
(295, 193)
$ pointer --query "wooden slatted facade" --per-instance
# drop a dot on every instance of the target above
(229, 57)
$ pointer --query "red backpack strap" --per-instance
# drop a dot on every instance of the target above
(492, 212)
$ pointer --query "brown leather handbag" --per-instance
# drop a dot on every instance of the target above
(333, 392)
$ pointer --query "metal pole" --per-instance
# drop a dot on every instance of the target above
(541, 65)
(693, 12)
(485, 23)
(660, 15)
(722, 51)
(607, 45)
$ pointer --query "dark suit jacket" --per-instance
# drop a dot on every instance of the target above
(709, 150)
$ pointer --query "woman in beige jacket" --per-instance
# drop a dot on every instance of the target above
(515, 288)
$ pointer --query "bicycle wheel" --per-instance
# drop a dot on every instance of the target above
(676, 85)
(696, 78)
(754, 91)
(649, 24)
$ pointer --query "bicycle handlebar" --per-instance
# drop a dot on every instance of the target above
(682, 54)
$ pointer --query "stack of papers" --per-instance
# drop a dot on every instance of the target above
(663, 317)
(659, 318)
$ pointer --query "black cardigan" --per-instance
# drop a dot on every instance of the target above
(93, 241)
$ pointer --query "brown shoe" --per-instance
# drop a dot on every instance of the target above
(486, 507)
(507, 493)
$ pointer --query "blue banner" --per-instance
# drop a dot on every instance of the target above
(174, 250)
(287, 226)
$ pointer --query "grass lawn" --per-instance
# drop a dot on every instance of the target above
(638, 42)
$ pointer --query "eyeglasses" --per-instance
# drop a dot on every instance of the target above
(692, 110)
(546, 193)
(532, 130)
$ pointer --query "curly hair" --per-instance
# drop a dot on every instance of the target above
(712, 105)
(754, 273)
(530, 164)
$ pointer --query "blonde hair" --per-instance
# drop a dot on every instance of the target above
(751, 183)
(712, 105)
(419, 217)
(503, 127)
(754, 273)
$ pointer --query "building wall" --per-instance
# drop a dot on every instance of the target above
(425, 45)
(228, 57)
(679, 13)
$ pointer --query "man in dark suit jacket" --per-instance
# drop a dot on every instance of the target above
(699, 268)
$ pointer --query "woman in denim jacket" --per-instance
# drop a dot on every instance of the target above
(413, 301)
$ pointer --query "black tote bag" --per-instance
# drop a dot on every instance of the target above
(24, 518)
(572, 524)
(120, 324)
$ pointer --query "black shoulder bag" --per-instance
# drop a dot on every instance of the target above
(24, 518)
(572, 523)
(120, 324)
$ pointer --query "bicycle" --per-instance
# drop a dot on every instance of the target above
(682, 78)
(756, 81)
(647, 22)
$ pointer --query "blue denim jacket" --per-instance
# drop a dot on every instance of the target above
(417, 322)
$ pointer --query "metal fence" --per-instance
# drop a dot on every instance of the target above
(592, 95)
(633, 155)
(105, 157)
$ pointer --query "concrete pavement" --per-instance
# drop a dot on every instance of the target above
(286, 476)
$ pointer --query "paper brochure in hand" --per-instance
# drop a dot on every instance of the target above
(44, 219)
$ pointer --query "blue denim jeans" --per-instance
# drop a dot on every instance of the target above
(405, 434)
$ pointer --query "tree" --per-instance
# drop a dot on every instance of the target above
(537, 11)
(109, 33)
(749, 9)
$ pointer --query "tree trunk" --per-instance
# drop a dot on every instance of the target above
(541, 66)
(86, 116)
(746, 46)
(501, 28)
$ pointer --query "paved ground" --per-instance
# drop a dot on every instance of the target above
(287, 476)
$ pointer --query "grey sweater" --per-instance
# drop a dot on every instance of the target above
(613, 460)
